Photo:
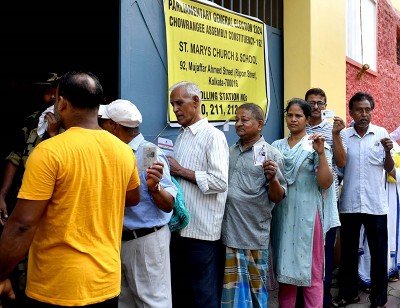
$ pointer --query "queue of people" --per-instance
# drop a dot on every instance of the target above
(94, 214)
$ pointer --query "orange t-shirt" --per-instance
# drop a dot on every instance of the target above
(74, 258)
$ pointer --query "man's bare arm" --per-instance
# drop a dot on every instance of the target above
(177, 170)
(18, 233)
(8, 176)
(132, 197)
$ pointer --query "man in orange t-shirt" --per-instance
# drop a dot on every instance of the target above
(71, 205)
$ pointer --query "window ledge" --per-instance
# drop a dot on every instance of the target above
(359, 65)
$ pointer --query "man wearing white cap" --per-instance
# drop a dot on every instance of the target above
(146, 274)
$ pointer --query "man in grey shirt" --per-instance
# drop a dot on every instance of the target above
(254, 187)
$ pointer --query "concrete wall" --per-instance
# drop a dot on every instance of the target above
(315, 50)
(383, 85)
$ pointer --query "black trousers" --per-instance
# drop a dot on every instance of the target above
(377, 236)
(196, 272)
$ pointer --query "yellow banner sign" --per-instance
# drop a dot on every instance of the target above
(223, 52)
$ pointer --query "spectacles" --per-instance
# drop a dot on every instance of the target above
(319, 104)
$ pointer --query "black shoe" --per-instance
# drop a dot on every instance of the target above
(343, 303)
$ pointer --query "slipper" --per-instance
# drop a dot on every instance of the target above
(393, 279)
(367, 290)
(343, 303)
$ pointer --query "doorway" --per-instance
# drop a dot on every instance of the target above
(39, 37)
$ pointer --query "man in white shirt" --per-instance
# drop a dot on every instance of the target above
(364, 202)
(201, 168)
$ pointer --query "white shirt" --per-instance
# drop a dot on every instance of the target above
(364, 181)
(395, 135)
(203, 148)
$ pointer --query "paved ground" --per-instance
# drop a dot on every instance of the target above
(393, 296)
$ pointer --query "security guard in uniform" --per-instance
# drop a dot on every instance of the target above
(14, 169)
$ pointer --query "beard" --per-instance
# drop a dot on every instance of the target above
(58, 118)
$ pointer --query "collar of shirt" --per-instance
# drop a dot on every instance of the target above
(135, 142)
(195, 128)
(239, 144)
(371, 130)
(321, 125)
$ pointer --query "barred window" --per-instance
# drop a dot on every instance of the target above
(270, 12)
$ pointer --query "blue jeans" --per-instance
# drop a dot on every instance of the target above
(377, 236)
(196, 272)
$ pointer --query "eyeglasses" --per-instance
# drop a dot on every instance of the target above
(319, 104)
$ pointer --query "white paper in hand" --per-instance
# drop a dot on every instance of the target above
(259, 154)
(149, 157)
(328, 114)
(166, 145)
(307, 144)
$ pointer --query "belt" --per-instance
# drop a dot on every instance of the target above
(128, 235)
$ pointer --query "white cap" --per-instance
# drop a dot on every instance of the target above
(122, 112)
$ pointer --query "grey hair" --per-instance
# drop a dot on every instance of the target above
(191, 88)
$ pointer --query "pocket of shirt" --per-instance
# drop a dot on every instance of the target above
(252, 179)
(375, 155)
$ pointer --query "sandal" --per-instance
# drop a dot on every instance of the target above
(343, 303)
(367, 290)
(393, 278)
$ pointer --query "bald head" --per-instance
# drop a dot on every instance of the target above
(81, 89)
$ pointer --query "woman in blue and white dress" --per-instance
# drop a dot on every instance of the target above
(309, 209)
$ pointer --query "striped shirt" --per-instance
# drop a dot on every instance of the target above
(325, 128)
(203, 148)
(364, 181)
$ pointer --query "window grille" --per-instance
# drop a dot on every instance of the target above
(269, 11)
